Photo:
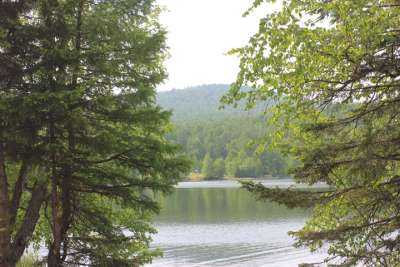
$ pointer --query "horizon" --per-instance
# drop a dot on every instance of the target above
(193, 86)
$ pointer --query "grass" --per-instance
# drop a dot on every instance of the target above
(29, 260)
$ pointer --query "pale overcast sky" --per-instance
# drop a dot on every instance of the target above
(200, 32)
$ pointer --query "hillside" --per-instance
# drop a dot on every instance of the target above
(220, 142)
(201, 102)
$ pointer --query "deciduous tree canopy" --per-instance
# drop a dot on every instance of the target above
(333, 69)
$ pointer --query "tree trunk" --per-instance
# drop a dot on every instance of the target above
(18, 189)
(54, 256)
(66, 218)
(5, 232)
(61, 223)
(24, 233)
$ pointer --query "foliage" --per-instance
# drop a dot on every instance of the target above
(331, 67)
(207, 166)
(81, 128)
(219, 167)
(201, 102)
(231, 135)
(235, 141)
(212, 169)
(29, 260)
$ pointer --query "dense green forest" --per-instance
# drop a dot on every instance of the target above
(203, 103)
(221, 142)
(76, 154)
(85, 139)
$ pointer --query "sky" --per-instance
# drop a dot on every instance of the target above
(200, 33)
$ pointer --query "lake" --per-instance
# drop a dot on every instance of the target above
(216, 223)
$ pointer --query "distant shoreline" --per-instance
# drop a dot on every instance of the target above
(272, 183)
(197, 177)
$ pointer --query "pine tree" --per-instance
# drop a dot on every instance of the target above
(21, 136)
(78, 108)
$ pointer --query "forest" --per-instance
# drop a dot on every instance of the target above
(221, 141)
(89, 147)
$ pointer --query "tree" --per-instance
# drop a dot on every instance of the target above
(224, 139)
(206, 166)
(249, 167)
(218, 168)
(231, 163)
(21, 138)
(332, 69)
(80, 122)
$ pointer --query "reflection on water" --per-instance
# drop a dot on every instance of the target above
(226, 227)
(221, 205)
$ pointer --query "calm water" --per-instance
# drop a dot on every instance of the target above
(219, 224)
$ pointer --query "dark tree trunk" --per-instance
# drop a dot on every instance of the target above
(61, 222)
(66, 218)
(5, 232)
(24, 234)
(54, 256)
(18, 189)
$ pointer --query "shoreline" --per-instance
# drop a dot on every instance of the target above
(271, 183)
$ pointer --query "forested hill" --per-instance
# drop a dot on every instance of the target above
(201, 102)
(216, 140)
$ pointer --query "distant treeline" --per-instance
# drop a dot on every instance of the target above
(221, 142)
(229, 147)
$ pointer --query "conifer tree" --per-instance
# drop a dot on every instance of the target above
(78, 108)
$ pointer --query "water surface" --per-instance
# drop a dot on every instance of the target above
(219, 224)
